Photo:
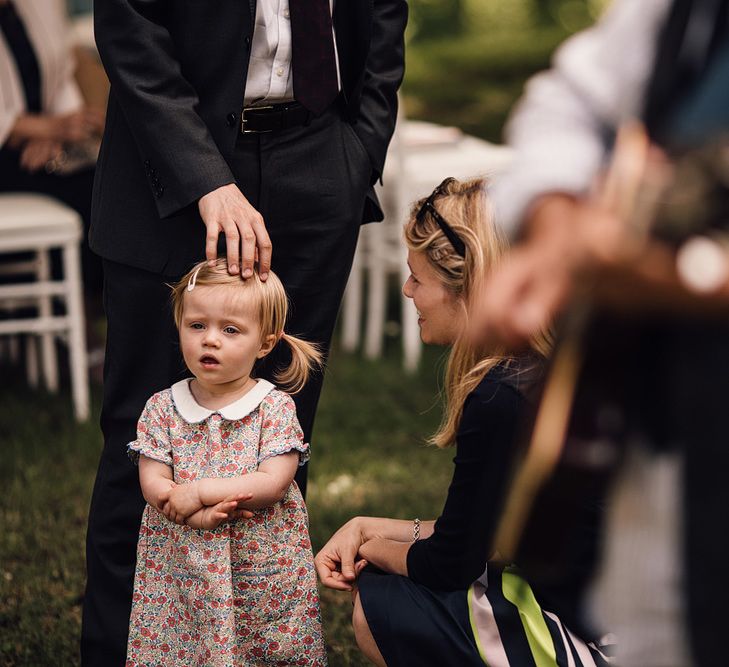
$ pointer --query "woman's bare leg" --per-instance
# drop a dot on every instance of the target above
(363, 634)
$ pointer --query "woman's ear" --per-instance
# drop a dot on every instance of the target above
(267, 345)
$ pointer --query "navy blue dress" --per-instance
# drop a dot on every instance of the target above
(454, 608)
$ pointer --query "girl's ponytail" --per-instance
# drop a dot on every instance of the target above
(305, 358)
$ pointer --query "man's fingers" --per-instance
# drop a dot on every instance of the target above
(248, 247)
(265, 250)
(232, 242)
(211, 243)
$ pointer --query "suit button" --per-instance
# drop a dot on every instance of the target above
(248, 42)
(231, 119)
(159, 191)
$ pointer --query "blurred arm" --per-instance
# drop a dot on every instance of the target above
(562, 127)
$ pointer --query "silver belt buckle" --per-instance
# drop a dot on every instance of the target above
(243, 120)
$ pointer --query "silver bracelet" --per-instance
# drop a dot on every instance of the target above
(416, 530)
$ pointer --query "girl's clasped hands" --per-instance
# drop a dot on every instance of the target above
(181, 502)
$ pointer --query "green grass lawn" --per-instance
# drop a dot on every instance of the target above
(369, 458)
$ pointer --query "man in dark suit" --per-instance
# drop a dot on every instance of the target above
(265, 123)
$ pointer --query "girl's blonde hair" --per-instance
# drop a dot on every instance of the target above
(467, 210)
(270, 301)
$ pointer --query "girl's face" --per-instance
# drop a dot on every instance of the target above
(440, 315)
(220, 337)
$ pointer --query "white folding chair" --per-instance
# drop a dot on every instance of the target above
(37, 224)
(421, 156)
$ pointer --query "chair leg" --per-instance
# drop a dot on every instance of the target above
(31, 360)
(77, 333)
(352, 307)
(49, 357)
(376, 293)
(14, 349)
(411, 343)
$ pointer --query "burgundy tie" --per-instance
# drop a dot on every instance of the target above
(312, 54)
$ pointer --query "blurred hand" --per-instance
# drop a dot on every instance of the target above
(227, 210)
(38, 152)
(565, 240)
(65, 128)
(77, 126)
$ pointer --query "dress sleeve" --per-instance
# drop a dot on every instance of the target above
(457, 552)
(153, 436)
(280, 429)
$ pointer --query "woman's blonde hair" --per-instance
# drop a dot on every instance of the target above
(270, 301)
(467, 211)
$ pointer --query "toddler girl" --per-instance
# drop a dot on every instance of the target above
(211, 588)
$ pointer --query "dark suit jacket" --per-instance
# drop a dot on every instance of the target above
(178, 70)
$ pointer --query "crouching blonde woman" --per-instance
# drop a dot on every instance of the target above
(428, 594)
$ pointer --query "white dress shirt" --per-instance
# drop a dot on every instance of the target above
(46, 24)
(270, 78)
(561, 127)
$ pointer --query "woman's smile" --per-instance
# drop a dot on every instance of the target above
(439, 316)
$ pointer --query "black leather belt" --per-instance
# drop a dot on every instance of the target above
(255, 120)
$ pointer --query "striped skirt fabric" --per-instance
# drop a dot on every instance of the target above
(497, 622)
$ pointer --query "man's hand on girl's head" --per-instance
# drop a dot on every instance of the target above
(227, 211)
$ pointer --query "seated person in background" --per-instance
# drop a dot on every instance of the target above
(43, 120)
(430, 599)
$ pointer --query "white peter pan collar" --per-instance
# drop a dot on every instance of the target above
(194, 413)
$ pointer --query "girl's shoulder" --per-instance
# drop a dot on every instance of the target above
(160, 401)
(277, 400)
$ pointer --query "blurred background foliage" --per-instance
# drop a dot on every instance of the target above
(468, 60)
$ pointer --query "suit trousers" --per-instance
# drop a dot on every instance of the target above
(309, 183)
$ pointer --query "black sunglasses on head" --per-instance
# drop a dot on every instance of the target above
(428, 207)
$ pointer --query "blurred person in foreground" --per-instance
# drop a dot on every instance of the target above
(437, 594)
(654, 380)
(43, 118)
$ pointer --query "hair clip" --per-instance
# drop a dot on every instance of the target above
(193, 280)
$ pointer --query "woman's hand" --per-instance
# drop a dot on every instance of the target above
(388, 555)
(77, 126)
(38, 152)
(65, 128)
(335, 562)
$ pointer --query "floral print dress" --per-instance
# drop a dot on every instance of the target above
(244, 593)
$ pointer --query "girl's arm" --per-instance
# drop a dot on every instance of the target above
(267, 485)
(209, 518)
(156, 481)
(388, 542)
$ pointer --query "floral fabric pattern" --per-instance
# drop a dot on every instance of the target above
(244, 593)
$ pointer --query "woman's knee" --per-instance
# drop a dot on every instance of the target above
(363, 634)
